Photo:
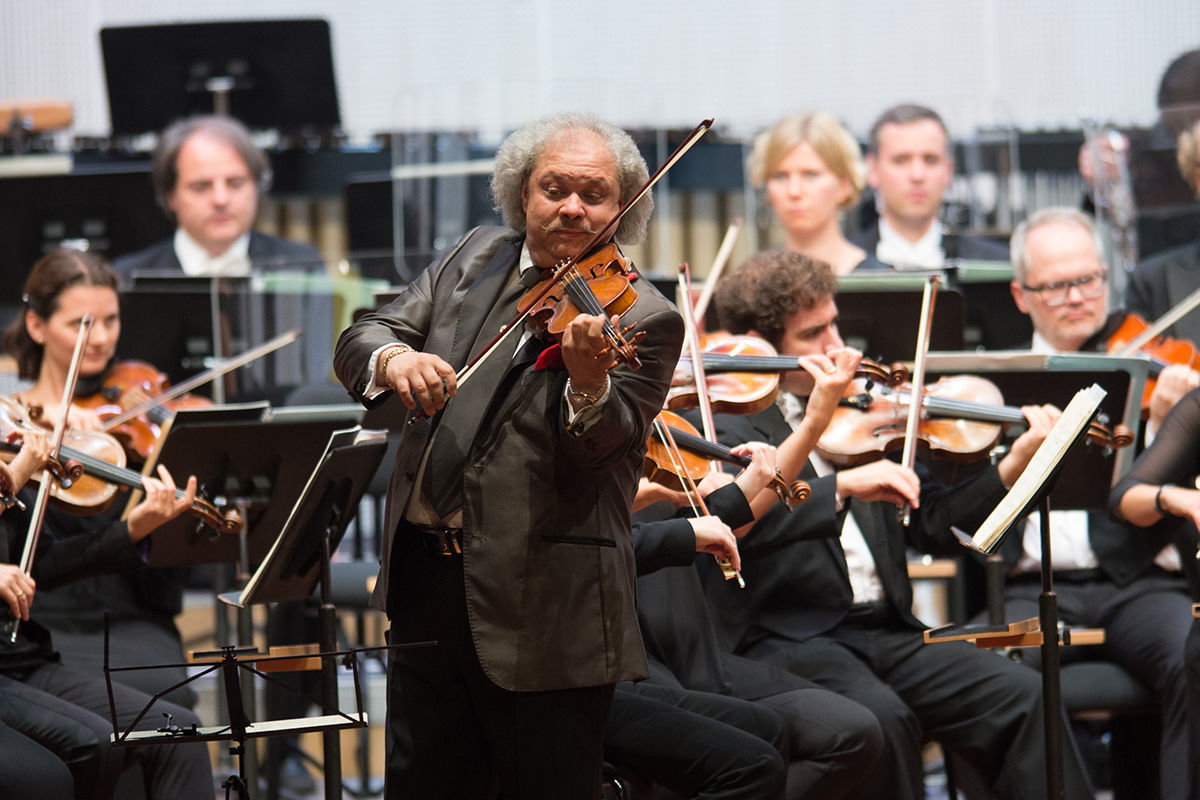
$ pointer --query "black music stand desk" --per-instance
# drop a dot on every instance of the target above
(301, 554)
(253, 457)
(879, 313)
(1033, 489)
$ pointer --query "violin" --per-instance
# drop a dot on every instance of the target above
(599, 284)
(963, 418)
(577, 288)
(697, 454)
(1135, 335)
(131, 383)
(93, 466)
(743, 374)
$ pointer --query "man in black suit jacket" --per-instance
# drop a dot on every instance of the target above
(831, 601)
(208, 174)
(910, 167)
(507, 534)
(1106, 574)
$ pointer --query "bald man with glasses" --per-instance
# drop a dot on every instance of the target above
(1106, 574)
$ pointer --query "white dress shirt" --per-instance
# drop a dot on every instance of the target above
(900, 253)
(1070, 548)
(860, 563)
(195, 260)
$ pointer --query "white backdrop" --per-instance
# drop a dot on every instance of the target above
(648, 63)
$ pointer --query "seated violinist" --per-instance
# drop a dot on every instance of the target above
(827, 593)
(64, 286)
(65, 710)
(1106, 574)
(831, 740)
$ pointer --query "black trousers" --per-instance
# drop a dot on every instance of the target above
(452, 733)
(28, 770)
(1192, 653)
(985, 708)
(1146, 626)
(68, 713)
(699, 744)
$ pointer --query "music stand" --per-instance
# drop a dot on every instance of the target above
(232, 664)
(1033, 488)
(179, 322)
(111, 211)
(1026, 378)
(880, 315)
(301, 554)
(270, 74)
(249, 456)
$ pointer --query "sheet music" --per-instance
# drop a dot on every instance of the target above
(1075, 418)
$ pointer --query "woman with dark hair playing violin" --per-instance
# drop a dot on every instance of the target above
(64, 286)
(64, 710)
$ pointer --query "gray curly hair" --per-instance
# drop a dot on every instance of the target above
(517, 155)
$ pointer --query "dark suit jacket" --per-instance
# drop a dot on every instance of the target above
(1160, 282)
(797, 585)
(58, 561)
(266, 253)
(681, 641)
(969, 247)
(548, 562)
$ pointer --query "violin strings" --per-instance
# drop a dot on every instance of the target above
(100, 468)
(965, 408)
(585, 300)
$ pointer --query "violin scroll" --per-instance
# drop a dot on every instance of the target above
(223, 521)
(1101, 435)
(890, 375)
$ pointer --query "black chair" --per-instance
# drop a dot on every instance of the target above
(1105, 699)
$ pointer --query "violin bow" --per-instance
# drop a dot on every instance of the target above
(226, 366)
(1173, 315)
(690, 322)
(909, 458)
(699, 507)
(38, 515)
(718, 267)
(562, 269)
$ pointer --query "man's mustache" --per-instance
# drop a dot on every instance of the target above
(559, 225)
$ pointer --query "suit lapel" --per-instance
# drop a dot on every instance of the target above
(481, 316)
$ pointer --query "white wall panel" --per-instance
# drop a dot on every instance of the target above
(490, 65)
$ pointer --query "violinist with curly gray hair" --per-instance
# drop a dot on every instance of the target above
(507, 534)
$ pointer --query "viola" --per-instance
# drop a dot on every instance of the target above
(962, 419)
(129, 384)
(94, 463)
(743, 374)
(1162, 350)
(599, 284)
(697, 456)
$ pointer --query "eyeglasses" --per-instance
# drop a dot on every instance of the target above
(1055, 294)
